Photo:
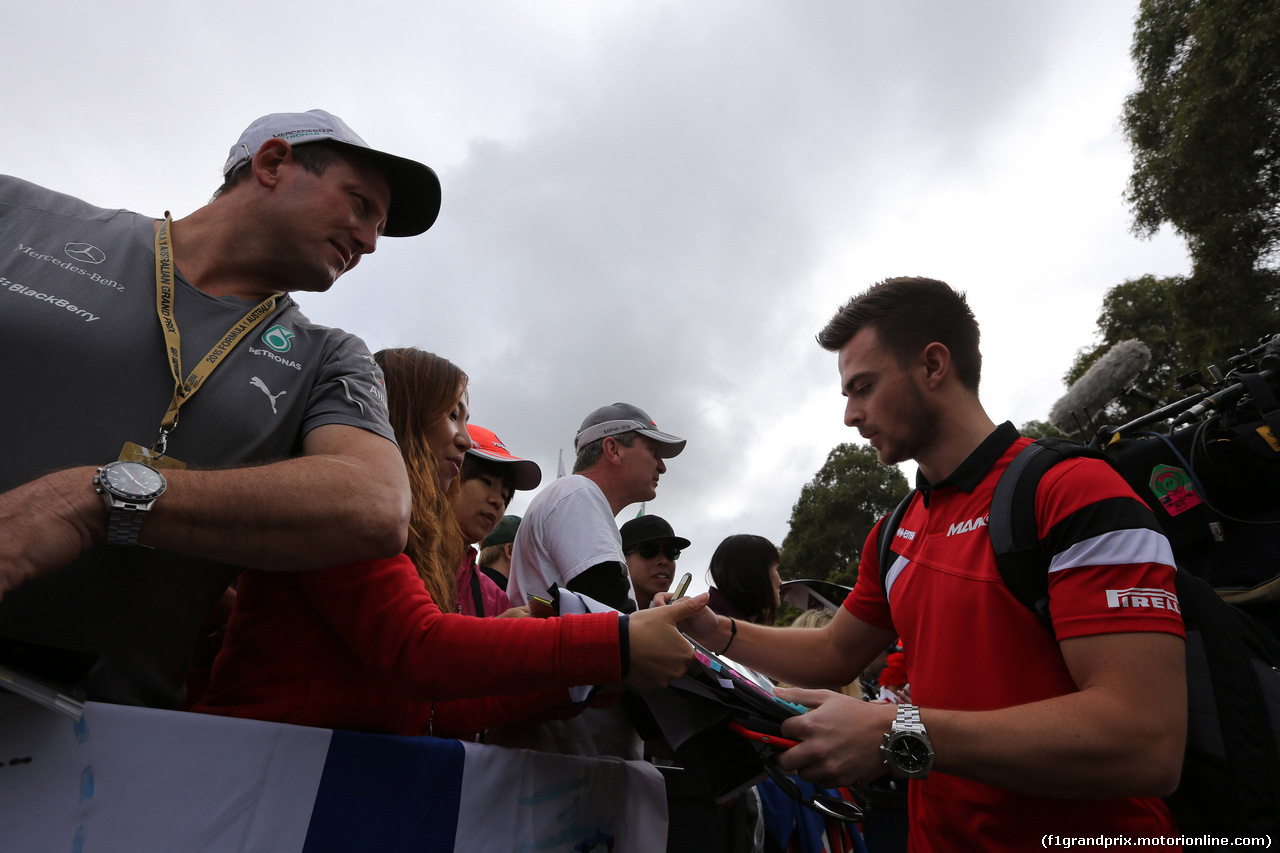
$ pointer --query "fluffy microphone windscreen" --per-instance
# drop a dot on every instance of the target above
(1101, 384)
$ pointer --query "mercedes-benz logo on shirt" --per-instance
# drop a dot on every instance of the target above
(85, 253)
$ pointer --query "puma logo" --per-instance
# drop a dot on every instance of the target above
(265, 390)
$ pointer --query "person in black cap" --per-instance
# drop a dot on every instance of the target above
(232, 431)
(652, 549)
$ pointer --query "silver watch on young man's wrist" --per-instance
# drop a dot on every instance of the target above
(906, 747)
(130, 489)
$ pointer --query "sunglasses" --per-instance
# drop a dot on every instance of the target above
(649, 550)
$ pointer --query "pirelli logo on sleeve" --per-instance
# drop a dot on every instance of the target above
(1156, 598)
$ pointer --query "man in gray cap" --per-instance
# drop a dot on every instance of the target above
(568, 536)
(281, 458)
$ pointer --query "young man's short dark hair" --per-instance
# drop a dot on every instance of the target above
(908, 314)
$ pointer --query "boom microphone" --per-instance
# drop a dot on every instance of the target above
(1102, 383)
(1217, 400)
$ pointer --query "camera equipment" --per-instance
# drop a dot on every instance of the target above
(1209, 467)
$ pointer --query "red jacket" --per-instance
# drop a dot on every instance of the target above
(363, 647)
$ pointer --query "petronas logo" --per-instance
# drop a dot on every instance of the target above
(278, 338)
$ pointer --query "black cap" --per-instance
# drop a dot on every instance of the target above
(646, 528)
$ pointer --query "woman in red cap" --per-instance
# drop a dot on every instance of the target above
(490, 477)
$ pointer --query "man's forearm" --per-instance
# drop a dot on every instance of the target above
(47, 523)
(302, 513)
(805, 657)
(346, 500)
(1120, 734)
(606, 583)
(1082, 745)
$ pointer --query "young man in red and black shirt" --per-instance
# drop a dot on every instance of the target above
(1016, 734)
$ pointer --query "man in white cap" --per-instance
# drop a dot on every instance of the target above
(231, 430)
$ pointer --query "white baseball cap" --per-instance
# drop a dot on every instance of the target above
(415, 189)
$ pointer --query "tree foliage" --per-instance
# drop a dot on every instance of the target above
(1204, 126)
(1040, 429)
(835, 512)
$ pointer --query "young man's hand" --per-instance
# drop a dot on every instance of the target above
(701, 625)
(839, 738)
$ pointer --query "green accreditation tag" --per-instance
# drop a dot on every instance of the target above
(1174, 489)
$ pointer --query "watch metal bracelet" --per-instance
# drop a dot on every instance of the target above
(123, 525)
(909, 716)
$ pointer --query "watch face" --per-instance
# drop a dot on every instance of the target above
(133, 480)
(911, 753)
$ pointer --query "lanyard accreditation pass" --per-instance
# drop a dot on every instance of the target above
(184, 390)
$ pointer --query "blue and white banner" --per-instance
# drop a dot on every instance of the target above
(138, 779)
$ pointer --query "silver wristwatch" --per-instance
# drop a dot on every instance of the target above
(906, 746)
(130, 489)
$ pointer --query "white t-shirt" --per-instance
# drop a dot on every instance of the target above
(568, 528)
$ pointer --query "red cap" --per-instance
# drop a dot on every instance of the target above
(485, 443)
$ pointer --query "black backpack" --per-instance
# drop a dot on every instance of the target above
(1230, 784)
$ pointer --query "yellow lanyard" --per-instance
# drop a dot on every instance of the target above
(185, 390)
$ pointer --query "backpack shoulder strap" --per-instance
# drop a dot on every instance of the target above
(1011, 524)
(1015, 536)
(884, 545)
(477, 593)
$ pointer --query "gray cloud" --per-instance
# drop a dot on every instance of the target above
(652, 202)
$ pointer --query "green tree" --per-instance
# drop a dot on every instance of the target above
(1040, 429)
(1204, 126)
(835, 512)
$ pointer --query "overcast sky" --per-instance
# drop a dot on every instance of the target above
(652, 202)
